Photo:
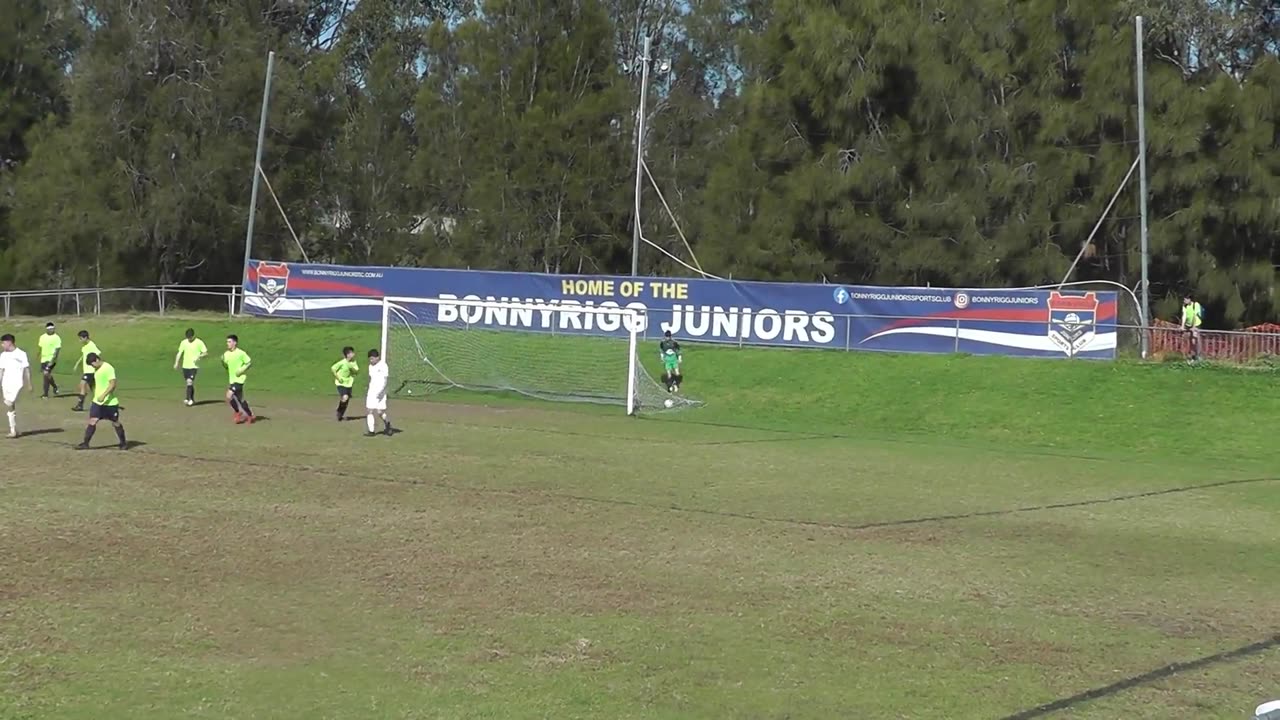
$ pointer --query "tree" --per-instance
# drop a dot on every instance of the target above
(515, 118)
(37, 40)
(966, 143)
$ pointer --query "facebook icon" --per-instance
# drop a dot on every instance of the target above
(841, 296)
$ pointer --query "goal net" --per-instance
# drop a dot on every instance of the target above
(550, 352)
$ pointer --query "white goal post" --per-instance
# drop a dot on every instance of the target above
(551, 351)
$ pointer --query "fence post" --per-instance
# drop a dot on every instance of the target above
(6, 304)
(304, 308)
(77, 304)
(97, 308)
(231, 303)
(160, 299)
(957, 350)
(848, 332)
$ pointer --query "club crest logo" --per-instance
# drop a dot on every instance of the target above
(1073, 321)
(273, 283)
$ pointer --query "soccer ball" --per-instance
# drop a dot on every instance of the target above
(669, 403)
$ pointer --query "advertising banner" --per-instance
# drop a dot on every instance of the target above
(1028, 323)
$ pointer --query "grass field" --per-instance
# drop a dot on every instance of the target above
(832, 536)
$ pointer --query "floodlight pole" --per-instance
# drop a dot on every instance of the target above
(1144, 309)
(257, 165)
(644, 95)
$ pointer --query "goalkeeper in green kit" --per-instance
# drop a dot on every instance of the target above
(669, 350)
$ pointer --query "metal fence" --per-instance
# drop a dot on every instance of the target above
(96, 301)
(1166, 339)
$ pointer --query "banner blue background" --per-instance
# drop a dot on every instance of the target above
(1035, 323)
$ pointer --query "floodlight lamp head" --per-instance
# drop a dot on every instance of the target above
(664, 66)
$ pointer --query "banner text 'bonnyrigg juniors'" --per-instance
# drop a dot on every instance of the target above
(1040, 323)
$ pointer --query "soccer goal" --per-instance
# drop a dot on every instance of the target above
(564, 353)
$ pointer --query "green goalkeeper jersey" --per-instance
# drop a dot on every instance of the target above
(670, 351)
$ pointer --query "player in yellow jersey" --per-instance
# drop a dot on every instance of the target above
(1192, 319)
(87, 347)
(190, 352)
(237, 363)
(344, 377)
(50, 347)
(106, 404)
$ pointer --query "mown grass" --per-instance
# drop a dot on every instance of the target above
(770, 555)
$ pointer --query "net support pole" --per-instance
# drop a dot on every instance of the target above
(644, 94)
(1102, 218)
(1144, 307)
(386, 323)
(631, 361)
(257, 166)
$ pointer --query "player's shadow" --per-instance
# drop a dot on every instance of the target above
(42, 431)
(132, 444)
(202, 403)
(260, 419)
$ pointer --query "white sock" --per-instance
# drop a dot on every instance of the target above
(368, 421)
(13, 421)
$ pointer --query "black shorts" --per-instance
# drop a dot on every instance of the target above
(189, 373)
(48, 367)
(110, 413)
(344, 392)
(88, 379)
(236, 389)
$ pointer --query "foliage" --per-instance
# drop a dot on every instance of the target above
(949, 143)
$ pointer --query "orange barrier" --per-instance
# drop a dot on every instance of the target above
(1230, 346)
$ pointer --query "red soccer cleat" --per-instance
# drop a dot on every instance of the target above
(237, 418)
(249, 419)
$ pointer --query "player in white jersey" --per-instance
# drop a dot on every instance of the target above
(15, 374)
(375, 400)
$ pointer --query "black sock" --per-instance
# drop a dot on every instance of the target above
(120, 434)
(235, 405)
(81, 400)
(88, 433)
(245, 404)
(191, 392)
(46, 384)
(342, 408)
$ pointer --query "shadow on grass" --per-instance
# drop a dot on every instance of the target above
(131, 445)
(383, 433)
(1162, 673)
(42, 431)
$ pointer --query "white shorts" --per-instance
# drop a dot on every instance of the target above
(10, 394)
(375, 403)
